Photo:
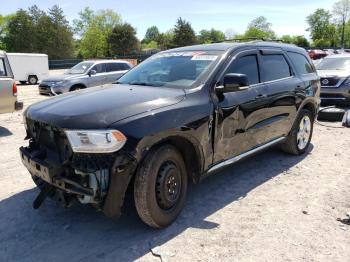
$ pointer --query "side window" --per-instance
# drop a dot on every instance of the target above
(2, 68)
(301, 63)
(125, 66)
(274, 67)
(112, 67)
(247, 65)
(99, 68)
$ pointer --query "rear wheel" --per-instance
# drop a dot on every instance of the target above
(32, 80)
(160, 187)
(300, 136)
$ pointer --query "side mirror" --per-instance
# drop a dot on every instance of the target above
(233, 83)
(92, 72)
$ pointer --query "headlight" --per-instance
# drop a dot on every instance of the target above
(95, 141)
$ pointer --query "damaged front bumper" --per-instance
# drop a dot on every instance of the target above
(98, 179)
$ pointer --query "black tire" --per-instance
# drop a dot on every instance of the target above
(292, 145)
(23, 82)
(76, 88)
(160, 187)
(32, 80)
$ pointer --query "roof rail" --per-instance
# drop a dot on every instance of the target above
(253, 39)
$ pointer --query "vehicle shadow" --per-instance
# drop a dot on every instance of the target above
(5, 132)
(80, 233)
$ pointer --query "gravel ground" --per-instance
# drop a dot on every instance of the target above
(272, 207)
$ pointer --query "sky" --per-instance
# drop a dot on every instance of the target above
(286, 16)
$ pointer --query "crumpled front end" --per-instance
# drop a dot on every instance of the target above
(67, 177)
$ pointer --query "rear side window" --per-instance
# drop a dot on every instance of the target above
(274, 67)
(99, 68)
(301, 63)
(247, 65)
(2, 68)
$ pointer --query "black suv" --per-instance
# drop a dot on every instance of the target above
(177, 117)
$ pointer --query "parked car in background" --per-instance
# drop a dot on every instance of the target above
(334, 71)
(317, 54)
(179, 116)
(83, 75)
(29, 68)
(8, 88)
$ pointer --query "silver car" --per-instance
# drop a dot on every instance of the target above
(83, 75)
(8, 88)
(334, 71)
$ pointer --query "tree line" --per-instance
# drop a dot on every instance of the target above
(103, 33)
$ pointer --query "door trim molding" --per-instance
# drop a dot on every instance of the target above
(246, 154)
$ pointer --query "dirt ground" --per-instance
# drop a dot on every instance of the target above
(272, 207)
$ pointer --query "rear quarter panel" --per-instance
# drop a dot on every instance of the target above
(7, 100)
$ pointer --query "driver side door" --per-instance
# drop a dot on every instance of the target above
(100, 77)
(239, 113)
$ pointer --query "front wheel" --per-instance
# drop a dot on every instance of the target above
(160, 187)
(300, 136)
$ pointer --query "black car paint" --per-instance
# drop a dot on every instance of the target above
(216, 127)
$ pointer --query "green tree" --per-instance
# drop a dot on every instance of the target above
(211, 36)
(35, 31)
(152, 34)
(184, 34)
(60, 42)
(341, 10)
(260, 28)
(4, 29)
(123, 39)
(321, 29)
(20, 35)
(166, 40)
(95, 30)
(296, 40)
(149, 45)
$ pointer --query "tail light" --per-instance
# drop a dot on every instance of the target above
(14, 89)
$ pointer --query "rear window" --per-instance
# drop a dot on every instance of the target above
(111, 67)
(301, 63)
(2, 68)
(274, 67)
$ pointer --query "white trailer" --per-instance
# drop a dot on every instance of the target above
(29, 68)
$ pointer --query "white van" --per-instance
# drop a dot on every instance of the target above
(29, 68)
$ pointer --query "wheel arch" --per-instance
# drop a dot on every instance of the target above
(190, 152)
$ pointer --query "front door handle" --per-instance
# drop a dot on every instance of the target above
(261, 96)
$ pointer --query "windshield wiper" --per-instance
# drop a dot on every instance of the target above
(141, 84)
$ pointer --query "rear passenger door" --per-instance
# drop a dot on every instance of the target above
(116, 70)
(281, 82)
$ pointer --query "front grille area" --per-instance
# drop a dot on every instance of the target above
(330, 81)
(49, 139)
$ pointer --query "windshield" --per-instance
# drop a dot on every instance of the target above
(340, 63)
(172, 69)
(80, 68)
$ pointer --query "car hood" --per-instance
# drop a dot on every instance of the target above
(99, 107)
(62, 77)
(333, 73)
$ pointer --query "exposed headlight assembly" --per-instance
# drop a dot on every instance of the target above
(95, 141)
